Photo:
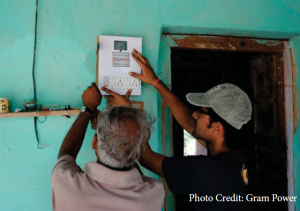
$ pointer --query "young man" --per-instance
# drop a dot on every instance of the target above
(214, 182)
(111, 183)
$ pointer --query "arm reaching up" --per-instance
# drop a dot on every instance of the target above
(152, 161)
(180, 111)
(74, 138)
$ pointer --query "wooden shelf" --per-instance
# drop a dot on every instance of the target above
(40, 113)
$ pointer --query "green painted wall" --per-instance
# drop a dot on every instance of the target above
(66, 65)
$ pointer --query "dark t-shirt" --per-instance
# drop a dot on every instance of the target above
(215, 176)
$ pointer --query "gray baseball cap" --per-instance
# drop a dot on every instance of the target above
(230, 102)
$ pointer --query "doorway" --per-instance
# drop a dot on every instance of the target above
(197, 64)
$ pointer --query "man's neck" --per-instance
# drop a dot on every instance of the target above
(216, 148)
(115, 169)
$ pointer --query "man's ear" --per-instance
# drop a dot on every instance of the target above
(95, 142)
(217, 128)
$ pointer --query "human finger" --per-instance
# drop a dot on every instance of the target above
(138, 60)
(135, 75)
(110, 101)
(128, 94)
(112, 93)
(140, 56)
(109, 97)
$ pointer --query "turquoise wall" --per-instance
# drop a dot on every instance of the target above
(66, 65)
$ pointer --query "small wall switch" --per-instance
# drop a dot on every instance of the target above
(127, 83)
(106, 81)
(112, 82)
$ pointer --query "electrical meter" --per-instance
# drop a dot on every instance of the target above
(115, 62)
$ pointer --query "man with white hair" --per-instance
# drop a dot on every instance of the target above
(111, 183)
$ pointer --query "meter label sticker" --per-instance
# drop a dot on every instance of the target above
(120, 59)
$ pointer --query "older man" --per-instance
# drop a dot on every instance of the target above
(111, 183)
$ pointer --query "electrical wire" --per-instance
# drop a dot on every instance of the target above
(33, 78)
(42, 121)
(37, 136)
(34, 52)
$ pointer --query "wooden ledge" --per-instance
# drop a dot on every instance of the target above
(40, 113)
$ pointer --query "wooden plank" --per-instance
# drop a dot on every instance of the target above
(228, 43)
(40, 113)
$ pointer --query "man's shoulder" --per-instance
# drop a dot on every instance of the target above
(67, 163)
(64, 165)
(155, 185)
(153, 182)
(187, 160)
(233, 156)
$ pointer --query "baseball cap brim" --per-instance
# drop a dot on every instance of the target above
(197, 99)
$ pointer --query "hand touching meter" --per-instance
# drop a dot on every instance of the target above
(115, 63)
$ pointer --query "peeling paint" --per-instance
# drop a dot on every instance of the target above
(295, 108)
(228, 43)
(163, 127)
(269, 43)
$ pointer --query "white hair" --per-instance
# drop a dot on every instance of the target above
(122, 134)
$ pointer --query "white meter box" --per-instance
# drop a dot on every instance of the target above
(115, 62)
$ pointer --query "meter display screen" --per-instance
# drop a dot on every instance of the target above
(120, 45)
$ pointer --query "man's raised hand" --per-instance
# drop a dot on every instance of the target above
(148, 75)
(92, 97)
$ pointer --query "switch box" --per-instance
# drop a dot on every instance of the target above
(115, 62)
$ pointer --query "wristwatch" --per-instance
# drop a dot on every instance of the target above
(85, 108)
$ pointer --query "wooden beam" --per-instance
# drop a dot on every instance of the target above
(40, 113)
(229, 44)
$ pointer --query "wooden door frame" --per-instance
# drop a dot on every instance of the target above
(286, 87)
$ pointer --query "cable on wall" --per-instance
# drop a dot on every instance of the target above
(34, 52)
(33, 78)
(43, 120)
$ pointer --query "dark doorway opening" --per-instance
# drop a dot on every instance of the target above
(256, 73)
